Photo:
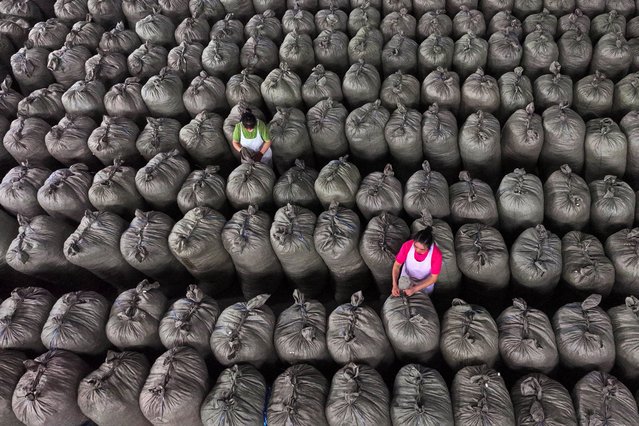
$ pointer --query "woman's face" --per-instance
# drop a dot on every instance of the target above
(420, 248)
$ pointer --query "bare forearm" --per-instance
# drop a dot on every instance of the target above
(265, 147)
(396, 271)
(430, 280)
(237, 146)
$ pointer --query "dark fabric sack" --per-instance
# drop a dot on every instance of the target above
(566, 201)
(11, 369)
(25, 313)
(439, 141)
(472, 200)
(535, 260)
(520, 202)
(19, 190)
(620, 249)
(586, 268)
(522, 139)
(600, 397)
(297, 186)
(114, 190)
(613, 206)
(380, 192)
(203, 188)
(625, 325)
(537, 396)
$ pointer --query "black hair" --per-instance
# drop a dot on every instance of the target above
(425, 236)
(248, 119)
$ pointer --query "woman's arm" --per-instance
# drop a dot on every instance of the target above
(237, 135)
(265, 146)
(430, 280)
(397, 269)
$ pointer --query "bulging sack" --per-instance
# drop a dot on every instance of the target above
(564, 136)
(479, 146)
(522, 139)
(67, 141)
(282, 87)
(135, 317)
(414, 385)
(535, 260)
(479, 394)
(292, 239)
(203, 188)
(95, 246)
(147, 61)
(204, 140)
(110, 395)
(175, 388)
(516, 92)
(246, 238)
(526, 338)
(295, 186)
(427, 189)
(25, 313)
(237, 397)
(338, 181)
(300, 332)
(290, 139)
(585, 265)
(196, 242)
(403, 134)
(298, 396)
(145, 247)
(19, 190)
(584, 335)
(625, 326)
(613, 204)
(244, 333)
(439, 141)
(65, 193)
(162, 94)
(47, 392)
(11, 369)
(537, 395)
(469, 336)
(380, 192)
(606, 149)
(412, 326)
(114, 190)
(358, 395)
(326, 123)
(161, 179)
(115, 140)
(337, 235)
(621, 249)
(365, 133)
(77, 323)
(356, 334)
(601, 397)
(322, 84)
(189, 321)
(520, 202)
(566, 201)
(472, 200)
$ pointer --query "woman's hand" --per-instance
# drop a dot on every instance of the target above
(410, 291)
(395, 290)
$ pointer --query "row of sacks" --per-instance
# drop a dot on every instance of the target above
(582, 336)
(565, 202)
(310, 252)
(126, 389)
(45, 134)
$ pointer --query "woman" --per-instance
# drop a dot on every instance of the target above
(252, 134)
(417, 265)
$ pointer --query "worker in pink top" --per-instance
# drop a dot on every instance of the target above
(417, 265)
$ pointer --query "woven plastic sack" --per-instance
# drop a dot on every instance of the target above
(412, 327)
(120, 39)
(331, 52)
(620, 249)
(600, 397)
(358, 395)
(434, 52)
(65, 193)
(399, 88)
(95, 246)
(606, 147)
(399, 20)
(290, 139)
(515, 91)
(158, 135)
(11, 369)
(380, 192)
(133, 10)
(29, 67)
(471, 52)
(205, 141)
(245, 87)
(205, 93)
(536, 396)
(175, 388)
(9, 98)
(625, 94)
(361, 84)
(108, 67)
(520, 202)
(355, 334)
(380, 243)
(19, 187)
(145, 246)
(365, 133)
(469, 336)
(298, 396)
(25, 313)
(522, 138)
(238, 397)
(594, 95)
(625, 324)
(362, 15)
(246, 238)
(292, 239)
(299, 18)
(156, 28)
(300, 332)
(85, 97)
(472, 200)
(320, 85)
(566, 201)
(114, 190)
(564, 135)
(366, 45)
(147, 60)
(326, 123)
(44, 103)
(54, 377)
(526, 339)
(77, 322)
(439, 141)
(67, 141)
(479, 146)
(586, 268)
(553, 88)
(612, 56)
(282, 87)
(110, 395)
(251, 183)
(414, 385)
(505, 51)
(161, 179)
(162, 94)
(483, 256)
(584, 335)
(399, 54)
(338, 181)
(125, 100)
(403, 134)
(203, 188)
(24, 141)
(535, 260)
(189, 321)
(296, 186)
(613, 206)
(193, 30)
(479, 394)
(265, 23)
(244, 333)
(297, 50)
(441, 87)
